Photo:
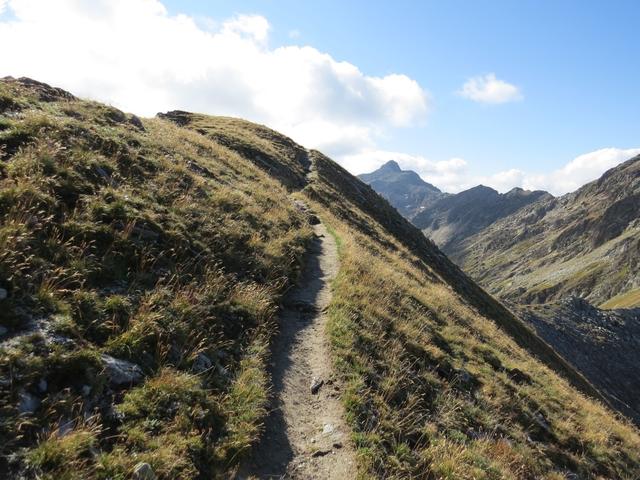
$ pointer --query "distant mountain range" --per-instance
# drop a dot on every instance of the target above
(454, 218)
(530, 247)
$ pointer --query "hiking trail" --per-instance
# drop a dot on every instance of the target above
(305, 434)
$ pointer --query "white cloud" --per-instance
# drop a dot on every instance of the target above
(582, 169)
(136, 56)
(579, 171)
(489, 89)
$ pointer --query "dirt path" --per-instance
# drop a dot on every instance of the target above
(305, 434)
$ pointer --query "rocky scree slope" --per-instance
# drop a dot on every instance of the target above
(585, 243)
(604, 345)
(143, 263)
(404, 189)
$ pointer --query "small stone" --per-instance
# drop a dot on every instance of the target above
(143, 471)
(321, 453)
(202, 363)
(136, 122)
(42, 385)
(28, 403)
(3, 293)
(86, 390)
(328, 428)
(121, 372)
(316, 383)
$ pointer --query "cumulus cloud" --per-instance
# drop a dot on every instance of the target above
(582, 169)
(136, 56)
(489, 89)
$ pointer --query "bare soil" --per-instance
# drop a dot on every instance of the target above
(305, 434)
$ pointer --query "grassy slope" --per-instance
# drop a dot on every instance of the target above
(435, 387)
(152, 246)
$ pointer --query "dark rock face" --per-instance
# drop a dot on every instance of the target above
(46, 93)
(604, 345)
(404, 189)
(451, 219)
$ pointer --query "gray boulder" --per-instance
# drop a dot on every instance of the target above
(121, 372)
(143, 471)
(28, 403)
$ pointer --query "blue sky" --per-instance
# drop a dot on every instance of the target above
(573, 63)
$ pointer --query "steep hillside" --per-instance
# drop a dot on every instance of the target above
(404, 189)
(585, 243)
(143, 264)
(602, 344)
(452, 219)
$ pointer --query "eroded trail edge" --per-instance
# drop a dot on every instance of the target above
(305, 434)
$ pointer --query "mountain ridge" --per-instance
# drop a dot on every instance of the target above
(582, 244)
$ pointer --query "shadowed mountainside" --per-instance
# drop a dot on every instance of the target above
(454, 218)
(604, 345)
(404, 189)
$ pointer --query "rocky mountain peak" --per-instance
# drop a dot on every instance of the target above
(390, 166)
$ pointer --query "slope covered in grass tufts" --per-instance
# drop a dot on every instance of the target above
(147, 243)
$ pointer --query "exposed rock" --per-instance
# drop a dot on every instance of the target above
(143, 471)
(136, 122)
(604, 345)
(121, 372)
(316, 383)
(321, 453)
(46, 93)
(519, 376)
(202, 363)
(328, 428)
(28, 403)
(199, 169)
(145, 233)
